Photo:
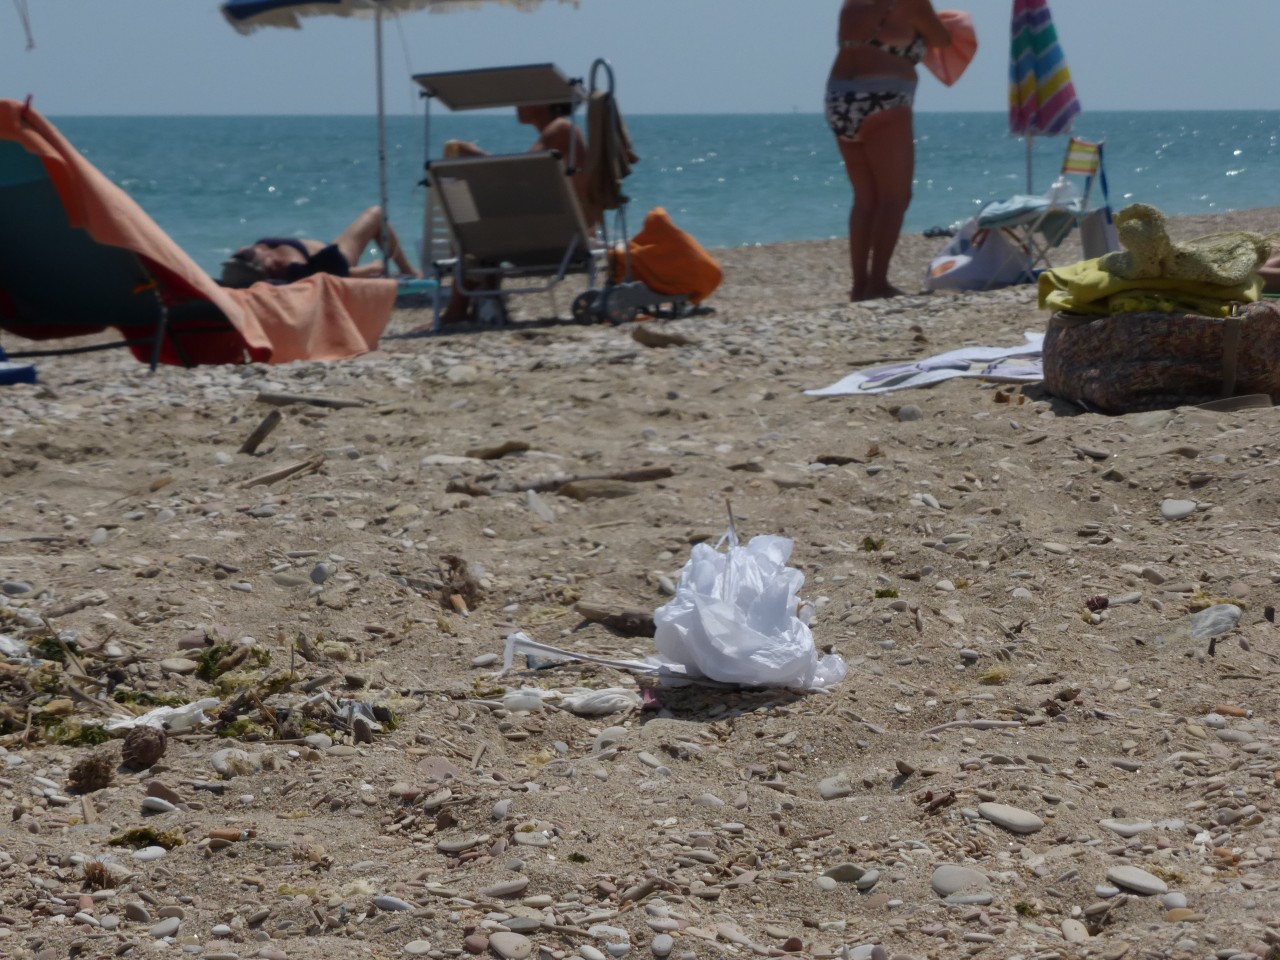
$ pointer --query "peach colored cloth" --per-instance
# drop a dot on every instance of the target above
(320, 318)
(949, 63)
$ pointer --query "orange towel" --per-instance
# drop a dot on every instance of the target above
(319, 318)
(669, 260)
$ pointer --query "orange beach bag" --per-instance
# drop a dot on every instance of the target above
(668, 260)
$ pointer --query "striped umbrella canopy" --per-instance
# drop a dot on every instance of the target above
(1042, 98)
(248, 16)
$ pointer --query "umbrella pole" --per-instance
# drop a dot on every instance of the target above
(1030, 138)
(382, 148)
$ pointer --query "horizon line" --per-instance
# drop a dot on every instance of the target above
(633, 113)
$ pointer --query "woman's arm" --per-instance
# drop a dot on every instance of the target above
(930, 26)
(1270, 272)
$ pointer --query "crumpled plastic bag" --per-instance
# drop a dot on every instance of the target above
(189, 716)
(737, 618)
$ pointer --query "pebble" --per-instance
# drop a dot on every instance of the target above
(511, 946)
(148, 854)
(950, 879)
(662, 945)
(476, 943)
(416, 948)
(157, 805)
(391, 904)
(1137, 880)
(845, 873)
(608, 737)
(1127, 828)
(1074, 931)
(229, 761)
(179, 665)
(1173, 901)
(167, 927)
(909, 412)
(834, 788)
(136, 912)
(508, 888)
(1013, 819)
(1177, 509)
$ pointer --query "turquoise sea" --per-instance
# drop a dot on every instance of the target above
(215, 183)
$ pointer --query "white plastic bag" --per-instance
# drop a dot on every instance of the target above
(977, 259)
(736, 618)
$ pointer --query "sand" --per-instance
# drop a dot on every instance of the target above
(1032, 755)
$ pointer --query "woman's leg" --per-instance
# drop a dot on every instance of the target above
(366, 229)
(889, 142)
(862, 215)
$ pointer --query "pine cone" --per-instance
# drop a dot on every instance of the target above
(143, 747)
(92, 773)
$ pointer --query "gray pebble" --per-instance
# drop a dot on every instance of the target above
(166, 927)
(662, 945)
(950, 878)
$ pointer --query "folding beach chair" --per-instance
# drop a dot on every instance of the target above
(509, 218)
(1039, 224)
(480, 227)
(56, 281)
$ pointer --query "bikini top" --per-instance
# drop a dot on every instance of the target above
(913, 51)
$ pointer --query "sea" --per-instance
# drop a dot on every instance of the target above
(217, 183)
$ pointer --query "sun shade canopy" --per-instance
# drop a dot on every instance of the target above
(520, 86)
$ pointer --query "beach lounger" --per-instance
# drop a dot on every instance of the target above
(78, 256)
(510, 218)
(1042, 223)
(493, 219)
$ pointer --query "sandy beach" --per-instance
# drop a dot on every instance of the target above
(1031, 756)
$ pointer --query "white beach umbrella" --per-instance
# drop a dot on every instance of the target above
(247, 16)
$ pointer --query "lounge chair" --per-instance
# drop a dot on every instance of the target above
(510, 218)
(78, 256)
(1041, 223)
(493, 219)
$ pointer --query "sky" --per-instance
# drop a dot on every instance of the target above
(180, 57)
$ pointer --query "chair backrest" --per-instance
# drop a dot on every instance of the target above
(56, 280)
(519, 210)
(1084, 159)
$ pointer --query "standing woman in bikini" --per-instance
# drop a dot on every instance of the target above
(869, 97)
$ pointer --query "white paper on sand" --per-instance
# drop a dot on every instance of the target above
(1021, 364)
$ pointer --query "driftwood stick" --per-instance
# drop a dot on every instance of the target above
(302, 466)
(974, 725)
(261, 432)
(629, 623)
(643, 475)
(286, 399)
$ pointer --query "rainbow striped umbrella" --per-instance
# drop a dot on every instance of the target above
(1042, 98)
